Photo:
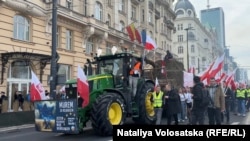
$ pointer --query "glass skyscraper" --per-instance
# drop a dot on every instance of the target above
(215, 18)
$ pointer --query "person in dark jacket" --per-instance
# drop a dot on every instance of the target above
(173, 104)
(197, 111)
(168, 56)
(228, 99)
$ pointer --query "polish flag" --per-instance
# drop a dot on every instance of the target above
(205, 74)
(221, 77)
(218, 64)
(82, 86)
(230, 77)
(37, 91)
(150, 43)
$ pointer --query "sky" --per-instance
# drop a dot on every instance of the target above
(237, 26)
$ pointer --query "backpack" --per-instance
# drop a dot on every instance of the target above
(205, 98)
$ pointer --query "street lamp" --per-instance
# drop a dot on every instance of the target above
(53, 66)
(187, 29)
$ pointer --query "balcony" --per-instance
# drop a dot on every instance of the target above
(25, 7)
(157, 14)
(170, 24)
(162, 2)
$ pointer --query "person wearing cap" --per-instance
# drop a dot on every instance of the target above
(158, 102)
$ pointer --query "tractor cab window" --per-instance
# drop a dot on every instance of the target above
(106, 67)
(111, 66)
(117, 69)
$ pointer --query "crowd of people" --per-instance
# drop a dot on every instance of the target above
(184, 105)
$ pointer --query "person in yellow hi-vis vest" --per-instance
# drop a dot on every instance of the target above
(241, 96)
(248, 98)
(158, 101)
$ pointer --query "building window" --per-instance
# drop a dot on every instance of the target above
(69, 39)
(180, 60)
(108, 49)
(69, 4)
(133, 12)
(98, 11)
(64, 70)
(150, 17)
(192, 49)
(180, 27)
(122, 5)
(122, 26)
(180, 38)
(193, 63)
(89, 46)
(85, 5)
(20, 69)
(21, 28)
(156, 29)
(109, 20)
(143, 15)
(180, 50)
(109, 2)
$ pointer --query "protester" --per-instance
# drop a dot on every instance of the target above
(182, 115)
(197, 111)
(173, 104)
(158, 102)
(217, 103)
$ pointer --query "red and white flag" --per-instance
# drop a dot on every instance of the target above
(37, 92)
(150, 43)
(230, 77)
(217, 66)
(82, 86)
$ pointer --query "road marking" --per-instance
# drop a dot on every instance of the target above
(84, 129)
(235, 123)
(16, 127)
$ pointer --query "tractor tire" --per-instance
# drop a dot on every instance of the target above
(107, 110)
(146, 109)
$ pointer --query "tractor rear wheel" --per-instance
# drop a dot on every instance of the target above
(146, 109)
(107, 110)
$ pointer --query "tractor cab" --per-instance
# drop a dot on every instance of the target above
(118, 65)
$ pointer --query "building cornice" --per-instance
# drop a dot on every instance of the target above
(25, 7)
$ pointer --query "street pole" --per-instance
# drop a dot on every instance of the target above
(53, 66)
(189, 28)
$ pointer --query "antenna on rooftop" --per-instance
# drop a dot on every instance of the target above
(208, 6)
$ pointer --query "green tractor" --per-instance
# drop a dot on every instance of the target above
(110, 99)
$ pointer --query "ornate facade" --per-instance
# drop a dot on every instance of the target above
(83, 27)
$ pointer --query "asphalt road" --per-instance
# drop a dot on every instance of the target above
(29, 133)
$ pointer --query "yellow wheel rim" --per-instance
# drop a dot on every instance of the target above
(115, 113)
(149, 105)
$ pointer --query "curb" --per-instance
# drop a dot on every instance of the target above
(13, 128)
(5, 129)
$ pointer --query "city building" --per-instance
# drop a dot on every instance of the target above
(83, 27)
(194, 43)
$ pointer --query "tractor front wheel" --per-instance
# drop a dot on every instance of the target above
(146, 109)
(108, 110)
